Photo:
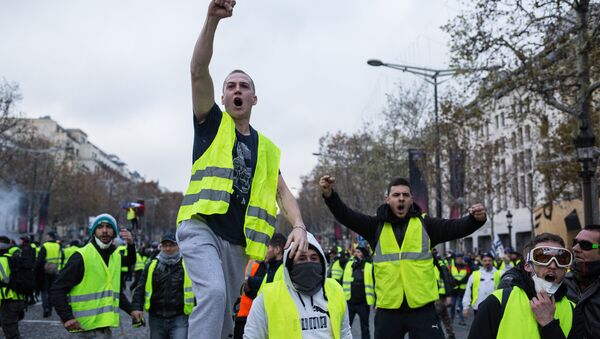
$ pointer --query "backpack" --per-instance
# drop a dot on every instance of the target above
(22, 271)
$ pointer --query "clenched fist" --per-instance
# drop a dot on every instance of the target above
(326, 183)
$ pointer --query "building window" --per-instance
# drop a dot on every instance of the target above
(527, 133)
(528, 160)
(497, 118)
(520, 136)
(502, 119)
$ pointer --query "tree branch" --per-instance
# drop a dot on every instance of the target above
(558, 105)
(592, 88)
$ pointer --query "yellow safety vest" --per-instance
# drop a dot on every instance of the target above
(458, 275)
(337, 271)
(123, 250)
(5, 292)
(188, 293)
(282, 314)
(518, 320)
(368, 278)
(477, 281)
(406, 270)
(95, 300)
(130, 213)
(139, 262)
(440, 280)
(211, 186)
(53, 253)
(69, 252)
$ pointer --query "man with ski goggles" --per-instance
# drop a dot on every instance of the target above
(583, 282)
(535, 305)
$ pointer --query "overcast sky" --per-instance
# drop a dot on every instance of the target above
(119, 70)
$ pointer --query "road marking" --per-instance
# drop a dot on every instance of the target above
(56, 322)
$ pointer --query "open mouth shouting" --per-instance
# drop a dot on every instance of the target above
(238, 102)
(550, 277)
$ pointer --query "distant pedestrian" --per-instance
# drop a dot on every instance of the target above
(49, 262)
(12, 304)
(359, 289)
(480, 284)
(165, 292)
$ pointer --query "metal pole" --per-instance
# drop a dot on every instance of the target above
(438, 175)
(586, 176)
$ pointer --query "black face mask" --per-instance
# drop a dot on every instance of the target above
(307, 277)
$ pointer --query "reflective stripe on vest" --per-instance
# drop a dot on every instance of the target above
(211, 186)
(440, 281)
(368, 280)
(188, 293)
(519, 321)
(476, 283)
(52, 252)
(95, 300)
(139, 262)
(5, 292)
(282, 315)
(337, 271)
(459, 275)
(398, 268)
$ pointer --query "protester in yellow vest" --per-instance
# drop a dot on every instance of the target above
(402, 236)
(535, 306)
(229, 210)
(305, 304)
(460, 272)
(267, 271)
(359, 289)
(49, 262)
(165, 292)
(87, 293)
(11, 304)
(480, 284)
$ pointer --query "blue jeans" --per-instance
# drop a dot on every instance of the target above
(169, 328)
(457, 306)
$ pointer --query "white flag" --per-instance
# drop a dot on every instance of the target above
(497, 248)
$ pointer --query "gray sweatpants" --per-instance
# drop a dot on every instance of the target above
(216, 269)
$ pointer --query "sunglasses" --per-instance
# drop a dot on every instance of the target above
(545, 254)
(585, 245)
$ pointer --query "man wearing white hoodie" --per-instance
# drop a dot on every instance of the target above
(304, 304)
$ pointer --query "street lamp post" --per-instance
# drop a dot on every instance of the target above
(431, 76)
(587, 155)
(509, 217)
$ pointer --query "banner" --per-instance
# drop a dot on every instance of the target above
(418, 184)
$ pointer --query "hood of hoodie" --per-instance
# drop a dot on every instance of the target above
(287, 262)
(385, 213)
(518, 276)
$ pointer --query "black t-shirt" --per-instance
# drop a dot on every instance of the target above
(229, 226)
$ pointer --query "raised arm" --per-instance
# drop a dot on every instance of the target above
(289, 207)
(203, 92)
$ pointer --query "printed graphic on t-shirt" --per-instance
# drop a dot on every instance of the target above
(242, 172)
(313, 323)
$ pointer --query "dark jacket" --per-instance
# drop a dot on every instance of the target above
(72, 274)
(588, 303)
(167, 290)
(490, 311)
(370, 227)
(255, 282)
(357, 287)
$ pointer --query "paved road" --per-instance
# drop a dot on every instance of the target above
(461, 332)
(35, 326)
